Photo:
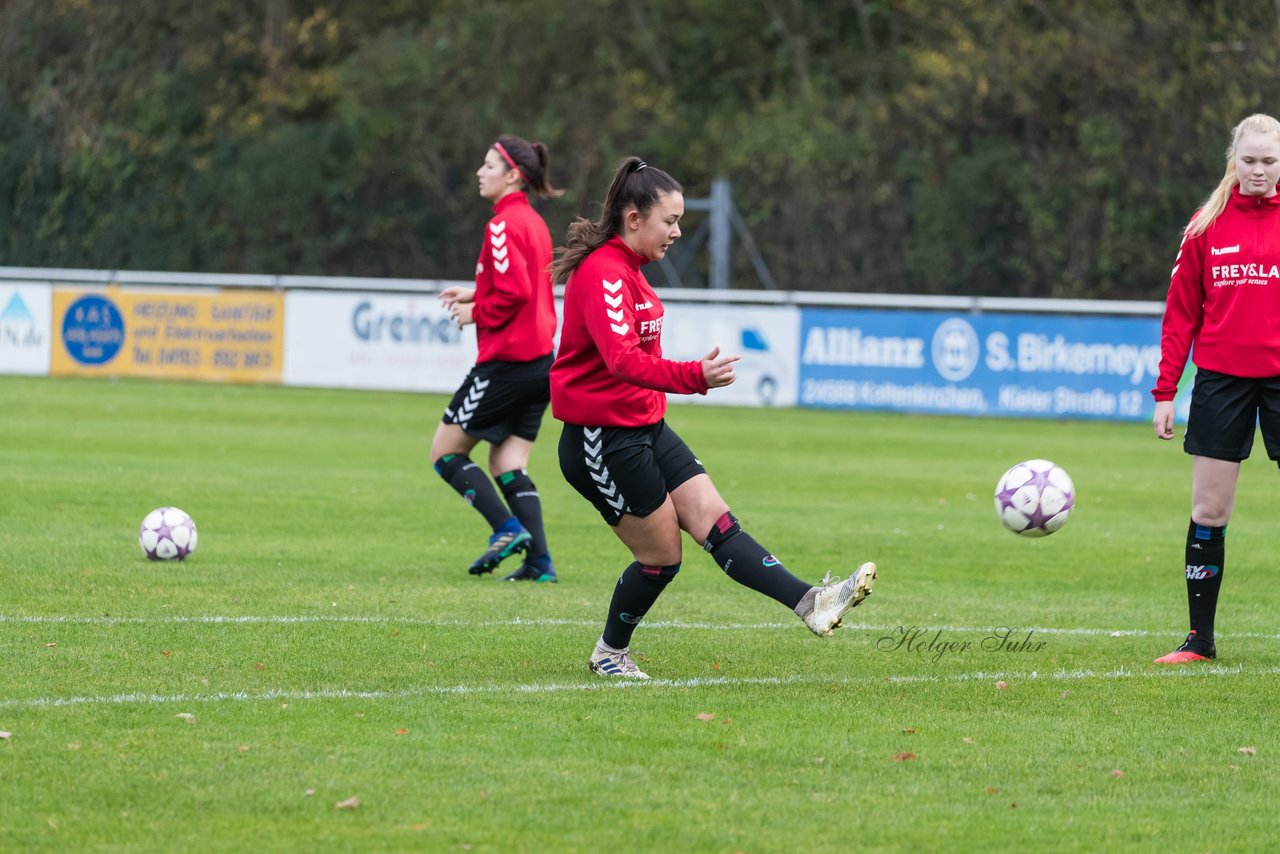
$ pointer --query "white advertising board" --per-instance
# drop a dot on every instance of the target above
(393, 342)
(766, 337)
(25, 331)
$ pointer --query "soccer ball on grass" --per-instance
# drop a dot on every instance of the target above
(1035, 498)
(167, 533)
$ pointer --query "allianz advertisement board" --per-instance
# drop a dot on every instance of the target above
(1022, 365)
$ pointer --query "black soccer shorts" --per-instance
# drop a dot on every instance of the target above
(625, 470)
(502, 399)
(1226, 410)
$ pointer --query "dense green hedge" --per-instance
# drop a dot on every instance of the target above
(997, 147)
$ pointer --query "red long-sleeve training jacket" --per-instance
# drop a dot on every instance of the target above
(515, 306)
(609, 371)
(1224, 296)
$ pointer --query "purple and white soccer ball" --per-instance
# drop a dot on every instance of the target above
(1035, 498)
(167, 534)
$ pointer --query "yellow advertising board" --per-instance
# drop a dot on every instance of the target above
(218, 336)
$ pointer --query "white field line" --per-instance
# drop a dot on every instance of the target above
(139, 698)
(541, 623)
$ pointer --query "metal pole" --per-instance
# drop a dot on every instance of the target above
(721, 233)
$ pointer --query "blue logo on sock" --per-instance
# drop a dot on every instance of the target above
(630, 619)
(770, 560)
(1196, 573)
(469, 496)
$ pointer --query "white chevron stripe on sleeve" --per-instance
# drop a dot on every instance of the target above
(498, 227)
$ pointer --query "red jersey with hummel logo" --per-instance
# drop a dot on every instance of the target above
(1224, 296)
(609, 371)
(515, 307)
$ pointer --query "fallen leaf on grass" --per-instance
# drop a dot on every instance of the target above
(991, 790)
(715, 665)
(909, 730)
(349, 804)
(706, 716)
(1249, 751)
(907, 756)
(1002, 685)
(967, 740)
(308, 793)
(1066, 694)
(244, 748)
(166, 653)
(75, 745)
(402, 731)
(187, 717)
(260, 666)
(50, 645)
(1117, 773)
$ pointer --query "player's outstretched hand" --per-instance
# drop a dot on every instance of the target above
(718, 369)
(1163, 420)
(449, 296)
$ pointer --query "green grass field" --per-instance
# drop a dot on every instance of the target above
(325, 642)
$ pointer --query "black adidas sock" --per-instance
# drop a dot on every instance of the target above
(746, 562)
(522, 498)
(474, 485)
(637, 589)
(1206, 551)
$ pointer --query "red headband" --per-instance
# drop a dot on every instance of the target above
(510, 162)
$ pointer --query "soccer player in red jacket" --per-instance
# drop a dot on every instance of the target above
(505, 395)
(1224, 299)
(609, 385)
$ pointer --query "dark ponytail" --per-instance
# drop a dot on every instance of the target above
(635, 184)
(532, 160)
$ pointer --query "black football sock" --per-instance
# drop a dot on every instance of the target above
(1206, 551)
(522, 498)
(470, 481)
(746, 562)
(637, 589)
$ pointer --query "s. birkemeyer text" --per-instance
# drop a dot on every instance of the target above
(929, 642)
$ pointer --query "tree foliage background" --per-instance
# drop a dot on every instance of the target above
(1002, 147)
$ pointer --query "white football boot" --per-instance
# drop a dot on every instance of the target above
(608, 661)
(832, 601)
